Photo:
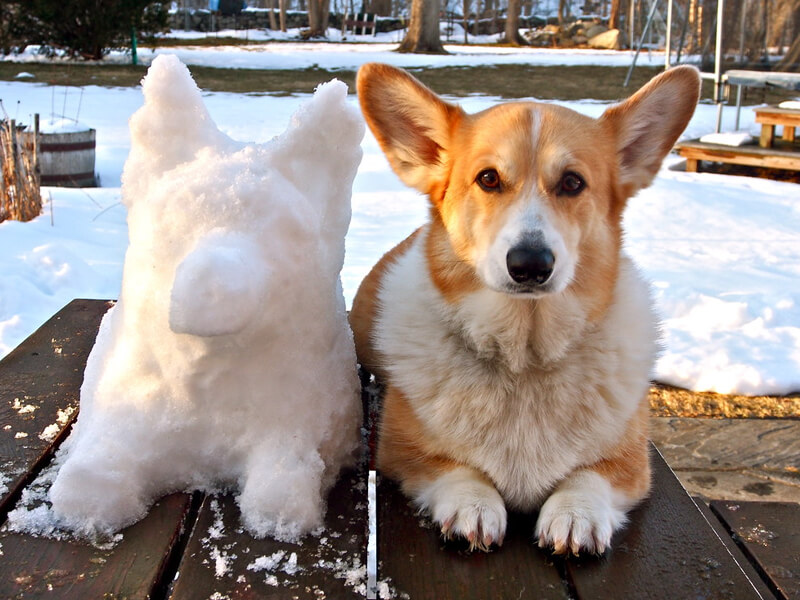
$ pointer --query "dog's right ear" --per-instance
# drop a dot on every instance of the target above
(411, 123)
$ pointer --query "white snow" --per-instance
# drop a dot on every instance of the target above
(227, 362)
(62, 126)
(723, 251)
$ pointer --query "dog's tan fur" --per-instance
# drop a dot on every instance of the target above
(500, 392)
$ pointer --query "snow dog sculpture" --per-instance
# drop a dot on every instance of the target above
(227, 362)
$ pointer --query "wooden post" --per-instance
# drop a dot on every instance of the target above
(36, 171)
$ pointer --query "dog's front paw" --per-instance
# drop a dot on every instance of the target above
(465, 504)
(581, 515)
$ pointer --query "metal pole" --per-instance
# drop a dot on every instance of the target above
(653, 8)
(667, 45)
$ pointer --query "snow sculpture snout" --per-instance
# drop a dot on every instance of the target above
(220, 368)
(217, 289)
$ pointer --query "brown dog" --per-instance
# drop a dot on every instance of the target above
(514, 336)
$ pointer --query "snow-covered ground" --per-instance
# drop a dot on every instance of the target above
(723, 252)
(333, 54)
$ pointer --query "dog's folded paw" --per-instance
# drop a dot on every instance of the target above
(465, 504)
(580, 516)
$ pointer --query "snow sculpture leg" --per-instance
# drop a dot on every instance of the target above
(299, 475)
(231, 298)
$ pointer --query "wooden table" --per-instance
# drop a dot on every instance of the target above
(191, 546)
(769, 117)
(778, 156)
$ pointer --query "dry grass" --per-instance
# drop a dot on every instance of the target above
(666, 401)
(20, 197)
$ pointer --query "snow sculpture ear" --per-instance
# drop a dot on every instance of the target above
(216, 290)
(648, 123)
(411, 123)
(321, 149)
(172, 125)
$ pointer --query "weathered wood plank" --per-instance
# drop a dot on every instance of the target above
(416, 560)
(222, 559)
(134, 569)
(667, 551)
(755, 577)
(776, 157)
(777, 116)
(789, 81)
(39, 378)
(769, 533)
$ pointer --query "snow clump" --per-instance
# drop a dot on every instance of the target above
(227, 363)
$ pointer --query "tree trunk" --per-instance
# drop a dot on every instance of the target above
(512, 35)
(273, 22)
(423, 29)
(613, 16)
(465, 13)
(318, 11)
(562, 13)
(282, 9)
(477, 29)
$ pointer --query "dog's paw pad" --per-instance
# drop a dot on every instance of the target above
(468, 507)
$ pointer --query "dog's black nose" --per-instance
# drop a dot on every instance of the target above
(530, 264)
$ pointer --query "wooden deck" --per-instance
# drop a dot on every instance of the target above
(191, 546)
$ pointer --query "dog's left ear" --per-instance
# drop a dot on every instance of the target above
(648, 123)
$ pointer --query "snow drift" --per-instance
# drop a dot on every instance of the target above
(228, 362)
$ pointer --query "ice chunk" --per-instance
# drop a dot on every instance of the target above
(228, 362)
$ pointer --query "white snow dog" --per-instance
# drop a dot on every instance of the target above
(514, 336)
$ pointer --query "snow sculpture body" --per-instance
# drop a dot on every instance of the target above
(227, 362)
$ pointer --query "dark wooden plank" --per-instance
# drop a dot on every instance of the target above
(736, 552)
(667, 551)
(769, 533)
(39, 378)
(415, 559)
(33, 567)
(222, 559)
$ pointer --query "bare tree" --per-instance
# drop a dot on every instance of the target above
(613, 16)
(318, 11)
(282, 9)
(423, 29)
(465, 16)
(512, 35)
(273, 22)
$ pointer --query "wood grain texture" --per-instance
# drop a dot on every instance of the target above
(414, 558)
(34, 567)
(667, 551)
(778, 156)
(221, 558)
(769, 534)
(39, 378)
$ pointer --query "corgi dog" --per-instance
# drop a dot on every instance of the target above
(514, 336)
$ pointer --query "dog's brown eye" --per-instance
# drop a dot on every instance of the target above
(571, 184)
(489, 180)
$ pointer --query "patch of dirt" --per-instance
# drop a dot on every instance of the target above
(668, 401)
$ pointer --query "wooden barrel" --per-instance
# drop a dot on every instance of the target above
(66, 159)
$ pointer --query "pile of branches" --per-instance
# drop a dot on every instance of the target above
(20, 195)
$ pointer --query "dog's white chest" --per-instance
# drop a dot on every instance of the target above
(487, 395)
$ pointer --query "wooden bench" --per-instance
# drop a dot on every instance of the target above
(191, 546)
(769, 117)
(779, 156)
